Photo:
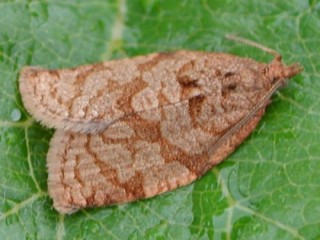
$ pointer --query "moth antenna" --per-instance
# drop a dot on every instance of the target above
(254, 44)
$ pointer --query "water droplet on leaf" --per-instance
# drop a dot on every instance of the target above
(15, 115)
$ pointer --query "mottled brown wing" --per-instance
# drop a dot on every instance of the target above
(89, 98)
(143, 155)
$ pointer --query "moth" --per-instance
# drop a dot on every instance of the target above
(134, 128)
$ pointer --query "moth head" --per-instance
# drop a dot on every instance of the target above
(277, 71)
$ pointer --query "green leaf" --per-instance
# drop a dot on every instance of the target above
(268, 189)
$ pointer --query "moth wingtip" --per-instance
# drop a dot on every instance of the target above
(62, 201)
(65, 209)
(27, 76)
(27, 72)
(29, 86)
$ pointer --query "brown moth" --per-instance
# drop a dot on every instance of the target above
(135, 128)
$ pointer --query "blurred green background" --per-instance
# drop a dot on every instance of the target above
(268, 189)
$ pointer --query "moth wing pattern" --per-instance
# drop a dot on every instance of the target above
(135, 158)
(91, 97)
(135, 128)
